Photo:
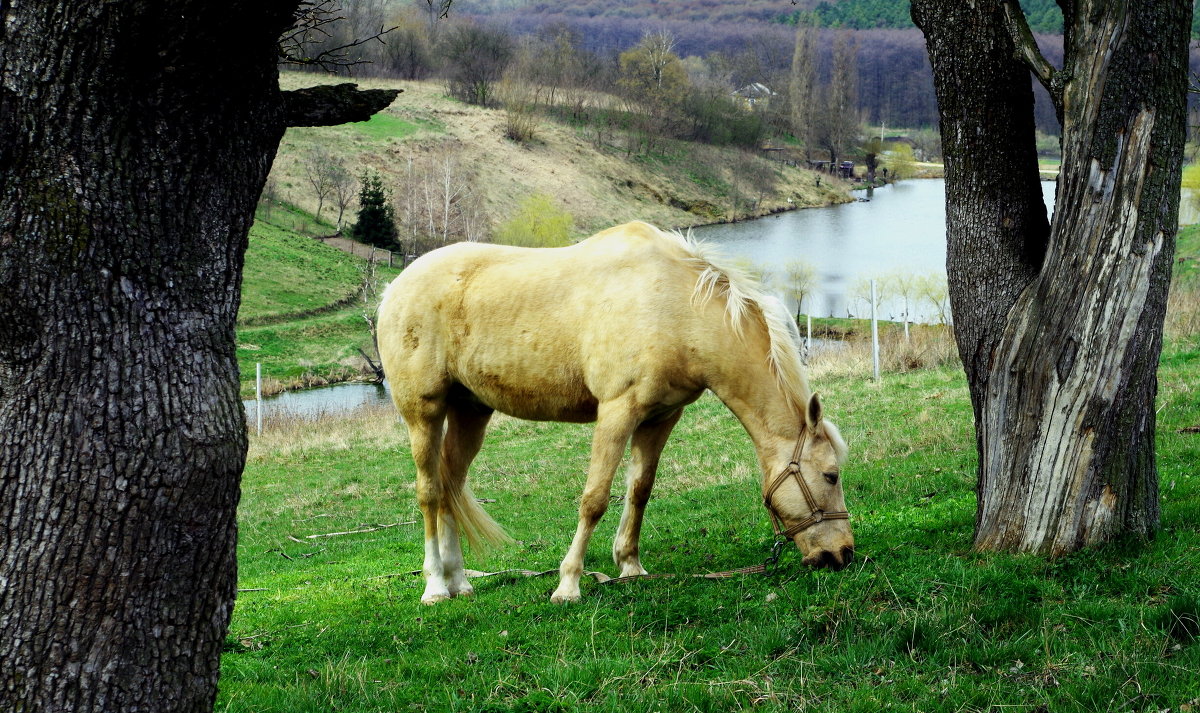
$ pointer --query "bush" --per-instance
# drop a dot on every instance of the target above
(537, 223)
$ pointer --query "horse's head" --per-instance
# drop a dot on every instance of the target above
(805, 499)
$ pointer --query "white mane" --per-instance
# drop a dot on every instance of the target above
(745, 299)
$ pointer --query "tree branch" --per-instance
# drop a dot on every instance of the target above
(332, 104)
(1027, 50)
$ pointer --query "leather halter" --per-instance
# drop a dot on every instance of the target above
(816, 514)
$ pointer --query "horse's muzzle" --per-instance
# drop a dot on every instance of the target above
(833, 560)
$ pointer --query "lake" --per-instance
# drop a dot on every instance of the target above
(899, 229)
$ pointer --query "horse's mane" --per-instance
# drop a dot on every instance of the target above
(744, 300)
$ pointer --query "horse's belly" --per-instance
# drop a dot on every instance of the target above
(534, 397)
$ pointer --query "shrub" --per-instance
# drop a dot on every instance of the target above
(537, 223)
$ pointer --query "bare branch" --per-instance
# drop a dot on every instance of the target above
(329, 105)
(311, 27)
(1027, 50)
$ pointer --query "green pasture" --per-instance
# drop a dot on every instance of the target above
(302, 314)
(919, 622)
(328, 617)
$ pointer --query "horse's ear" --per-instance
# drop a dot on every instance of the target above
(813, 412)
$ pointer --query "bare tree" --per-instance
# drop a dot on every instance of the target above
(344, 188)
(836, 119)
(319, 170)
(803, 82)
(1060, 326)
(439, 204)
(476, 57)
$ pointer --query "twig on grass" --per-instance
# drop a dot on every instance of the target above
(359, 532)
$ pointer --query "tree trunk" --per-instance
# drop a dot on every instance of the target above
(135, 139)
(1060, 329)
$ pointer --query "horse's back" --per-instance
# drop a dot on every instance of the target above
(540, 333)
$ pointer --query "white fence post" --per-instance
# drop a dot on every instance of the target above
(874, 332)
(258, 404)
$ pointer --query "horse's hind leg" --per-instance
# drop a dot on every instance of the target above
(647, 445)
(425, 438)
(465, 426)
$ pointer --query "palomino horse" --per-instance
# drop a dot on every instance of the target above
(624, 329)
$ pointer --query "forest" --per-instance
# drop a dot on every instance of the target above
(739, 43)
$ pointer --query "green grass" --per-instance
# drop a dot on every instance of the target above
(1187, 254)
(384, 126)
(920, 623)
(288, 274)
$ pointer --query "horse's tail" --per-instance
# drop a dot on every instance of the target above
(481, 531)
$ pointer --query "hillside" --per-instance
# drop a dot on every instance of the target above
(591, 176)
(302, 314)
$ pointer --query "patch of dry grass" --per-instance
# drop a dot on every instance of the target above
(926, 347)
(286, 434)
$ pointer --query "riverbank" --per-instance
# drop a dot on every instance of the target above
(588, 173)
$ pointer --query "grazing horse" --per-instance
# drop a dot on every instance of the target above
(625, 329)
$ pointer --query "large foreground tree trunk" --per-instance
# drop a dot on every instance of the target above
(135, 138)
(1060, 326)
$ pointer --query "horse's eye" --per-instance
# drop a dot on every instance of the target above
(831, 477)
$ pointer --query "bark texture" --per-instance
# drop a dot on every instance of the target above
(135, 138)
(1060, 329)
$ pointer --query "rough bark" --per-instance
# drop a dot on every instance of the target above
(1060, 329)
(135, 138)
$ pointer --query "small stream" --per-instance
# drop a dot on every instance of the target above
(322, 401)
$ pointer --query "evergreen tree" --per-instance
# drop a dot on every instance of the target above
(376, 217)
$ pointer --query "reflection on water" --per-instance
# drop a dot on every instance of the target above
(898, 229)
(327, 400)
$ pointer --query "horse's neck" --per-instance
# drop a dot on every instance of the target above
(772, 420)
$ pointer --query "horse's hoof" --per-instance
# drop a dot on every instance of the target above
(464, 592)
(435, 598)
(565, 598)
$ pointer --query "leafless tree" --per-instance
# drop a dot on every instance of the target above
(320, 171)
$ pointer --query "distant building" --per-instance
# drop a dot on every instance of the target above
(753, 96)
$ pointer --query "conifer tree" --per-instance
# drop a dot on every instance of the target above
(376, 217)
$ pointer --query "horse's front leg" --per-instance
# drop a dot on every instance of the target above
(647, 445)
(613, 428)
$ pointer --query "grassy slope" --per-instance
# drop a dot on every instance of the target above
(682, 185)
(919, 623)
(299, 315)
(288, 274)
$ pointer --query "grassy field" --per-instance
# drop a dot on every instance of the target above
(329, 617)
